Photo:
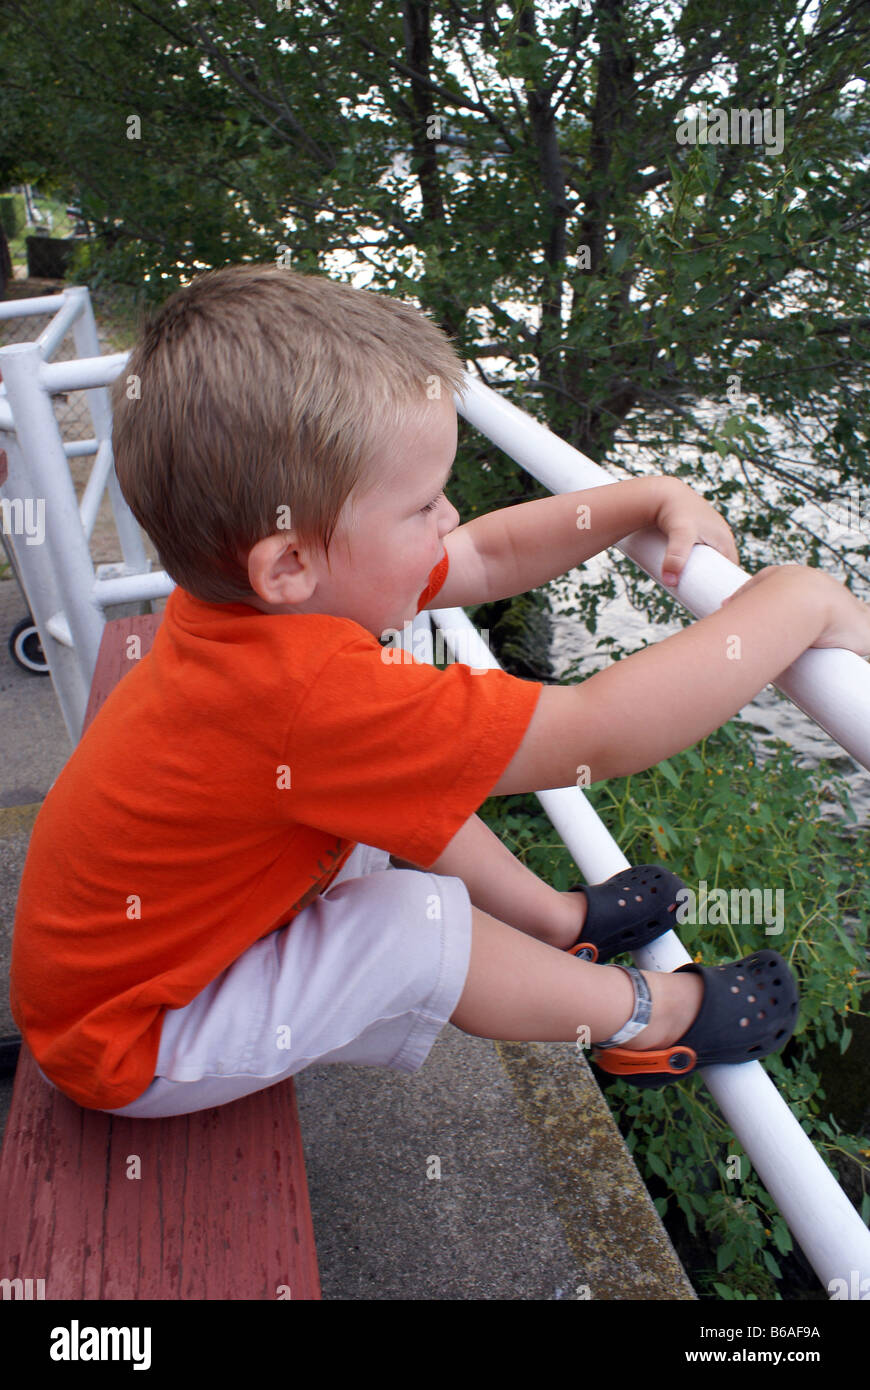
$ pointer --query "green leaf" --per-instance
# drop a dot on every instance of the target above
(656, 1164)
(726, 1255)
(771, 1264)
(666, 769)
(686, 1208)
(781, 1236)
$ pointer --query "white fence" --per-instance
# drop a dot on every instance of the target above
(68, 598)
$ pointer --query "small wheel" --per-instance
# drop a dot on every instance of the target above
(25, 648)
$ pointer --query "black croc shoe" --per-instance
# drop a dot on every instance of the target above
(627, 911)
(749, 1010)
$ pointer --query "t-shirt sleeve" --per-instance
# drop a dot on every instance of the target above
(399, 754)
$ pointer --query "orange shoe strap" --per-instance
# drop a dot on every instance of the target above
(624, 1061)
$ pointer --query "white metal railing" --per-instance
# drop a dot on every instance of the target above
(819, 1214)
(832, 686)
(59, 580)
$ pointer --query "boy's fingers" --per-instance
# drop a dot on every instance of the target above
(680, 543)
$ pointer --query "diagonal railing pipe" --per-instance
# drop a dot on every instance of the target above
(823, 1221)
(832, 687)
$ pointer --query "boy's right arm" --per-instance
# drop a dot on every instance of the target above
(668, 696)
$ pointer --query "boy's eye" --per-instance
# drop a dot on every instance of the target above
(434, 503)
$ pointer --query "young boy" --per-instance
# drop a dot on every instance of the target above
(208, 903)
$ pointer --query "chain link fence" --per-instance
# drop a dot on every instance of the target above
(116, 331)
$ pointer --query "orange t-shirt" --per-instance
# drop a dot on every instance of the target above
(222, 785)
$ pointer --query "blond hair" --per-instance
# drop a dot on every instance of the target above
(261, 389)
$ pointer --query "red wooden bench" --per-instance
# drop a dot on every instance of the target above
(221, 1209)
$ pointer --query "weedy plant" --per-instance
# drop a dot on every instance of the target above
(736, 812)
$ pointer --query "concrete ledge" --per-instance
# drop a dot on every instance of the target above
(495, 1172)
(609, 1218)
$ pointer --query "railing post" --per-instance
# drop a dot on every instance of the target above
(59, 563)
(88, 345)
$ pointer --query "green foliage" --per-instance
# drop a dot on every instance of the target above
(737, 815)
(697, 308)
(13, 214)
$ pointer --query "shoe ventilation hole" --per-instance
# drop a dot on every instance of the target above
(734, 989)
(741, 978)
(750, 998)
(762, 1014)
(638, 898)
(744, 1023)
(622, 902)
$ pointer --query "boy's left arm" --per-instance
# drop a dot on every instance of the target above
(515, 549)
(499, 884)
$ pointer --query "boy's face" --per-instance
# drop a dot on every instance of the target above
(392, 535)
(391, 531)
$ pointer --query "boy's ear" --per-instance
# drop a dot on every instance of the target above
(280, 569)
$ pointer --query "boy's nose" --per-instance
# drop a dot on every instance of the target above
(450, 520)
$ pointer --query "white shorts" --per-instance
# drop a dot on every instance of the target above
(369, 973)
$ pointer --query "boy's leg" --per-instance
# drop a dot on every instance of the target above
(518, 989)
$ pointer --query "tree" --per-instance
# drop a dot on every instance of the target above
(527, 172)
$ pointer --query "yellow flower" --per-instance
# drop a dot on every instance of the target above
(697, 958)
